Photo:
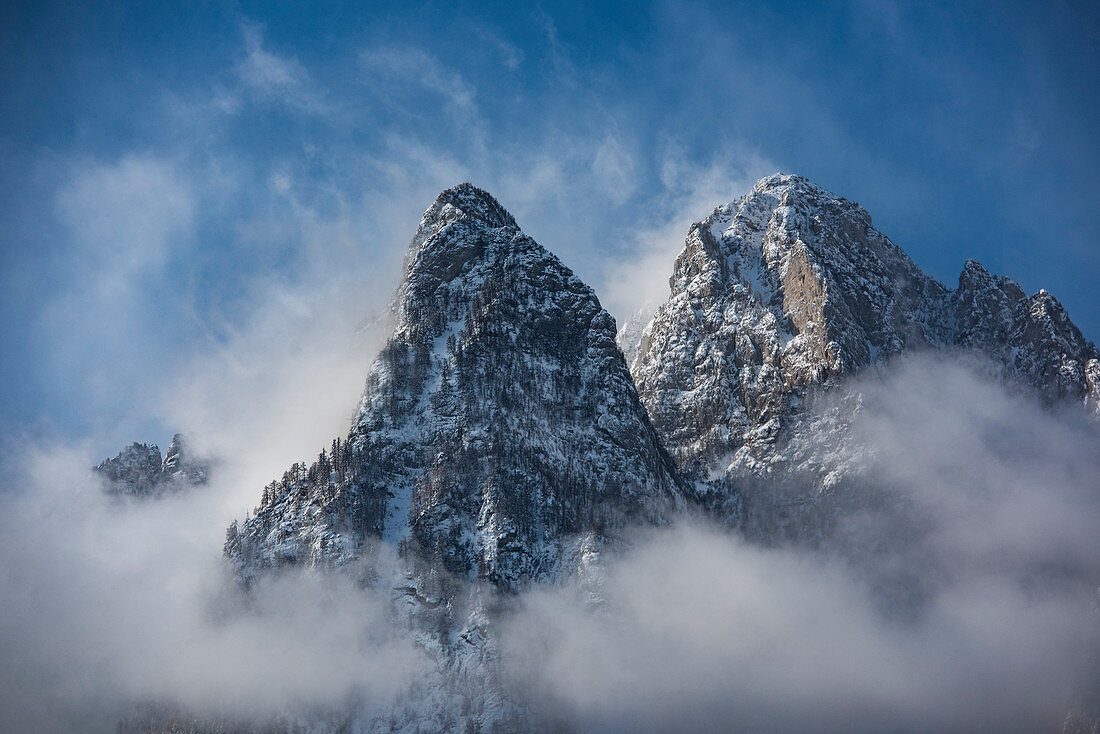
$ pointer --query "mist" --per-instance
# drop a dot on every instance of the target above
(109, 604)
(984, 500)
(959, 488)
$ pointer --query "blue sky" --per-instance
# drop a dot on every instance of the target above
(203, 203)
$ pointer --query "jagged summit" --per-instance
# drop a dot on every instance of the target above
(474, 203)
(791, 287)
(975, 276)
(787, 287)
(779, 184)
(1032, 337)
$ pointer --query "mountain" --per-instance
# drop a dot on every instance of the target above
(780, 294)
(502, 440)
(498, 423)
(139, 470)
(499, 440)
(630, 333)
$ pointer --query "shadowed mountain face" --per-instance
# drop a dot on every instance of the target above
(499, 421)
(790, 288)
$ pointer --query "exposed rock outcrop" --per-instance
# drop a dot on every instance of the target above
(140, 471)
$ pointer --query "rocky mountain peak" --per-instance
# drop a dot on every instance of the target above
(498, 424)
(974, 278)
(1031, 337)
(464, 205)
(474, 203)
(783, 289)
(789, 288)
(179, 463)
(136, 471)
(787, 188)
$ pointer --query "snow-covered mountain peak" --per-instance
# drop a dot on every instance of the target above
(474, 203)
(790, 288)
(498, 424)
(466, 204)
(140, 471)
(780, 185)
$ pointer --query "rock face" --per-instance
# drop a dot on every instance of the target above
(1030, 336)
(789, 288)
(498, 422)
(139, 470)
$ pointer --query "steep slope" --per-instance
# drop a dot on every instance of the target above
(499, 421)
(790, 288)
(139, 470)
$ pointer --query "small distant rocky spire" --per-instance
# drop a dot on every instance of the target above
(135, 472)
(178, 462)
(139, 470)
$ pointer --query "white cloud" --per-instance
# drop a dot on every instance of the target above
(273, 78)
(565, 72)
(126, 221)
(114, 604)
(282, 384)
(511, 55)
(392, 70)
(124, 217)
(695, 630)
(615, 169)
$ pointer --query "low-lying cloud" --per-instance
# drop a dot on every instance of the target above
(108, 605)
(983, 499)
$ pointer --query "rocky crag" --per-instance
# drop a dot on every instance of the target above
(784, 292)
(139, 470)
(499, 420)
